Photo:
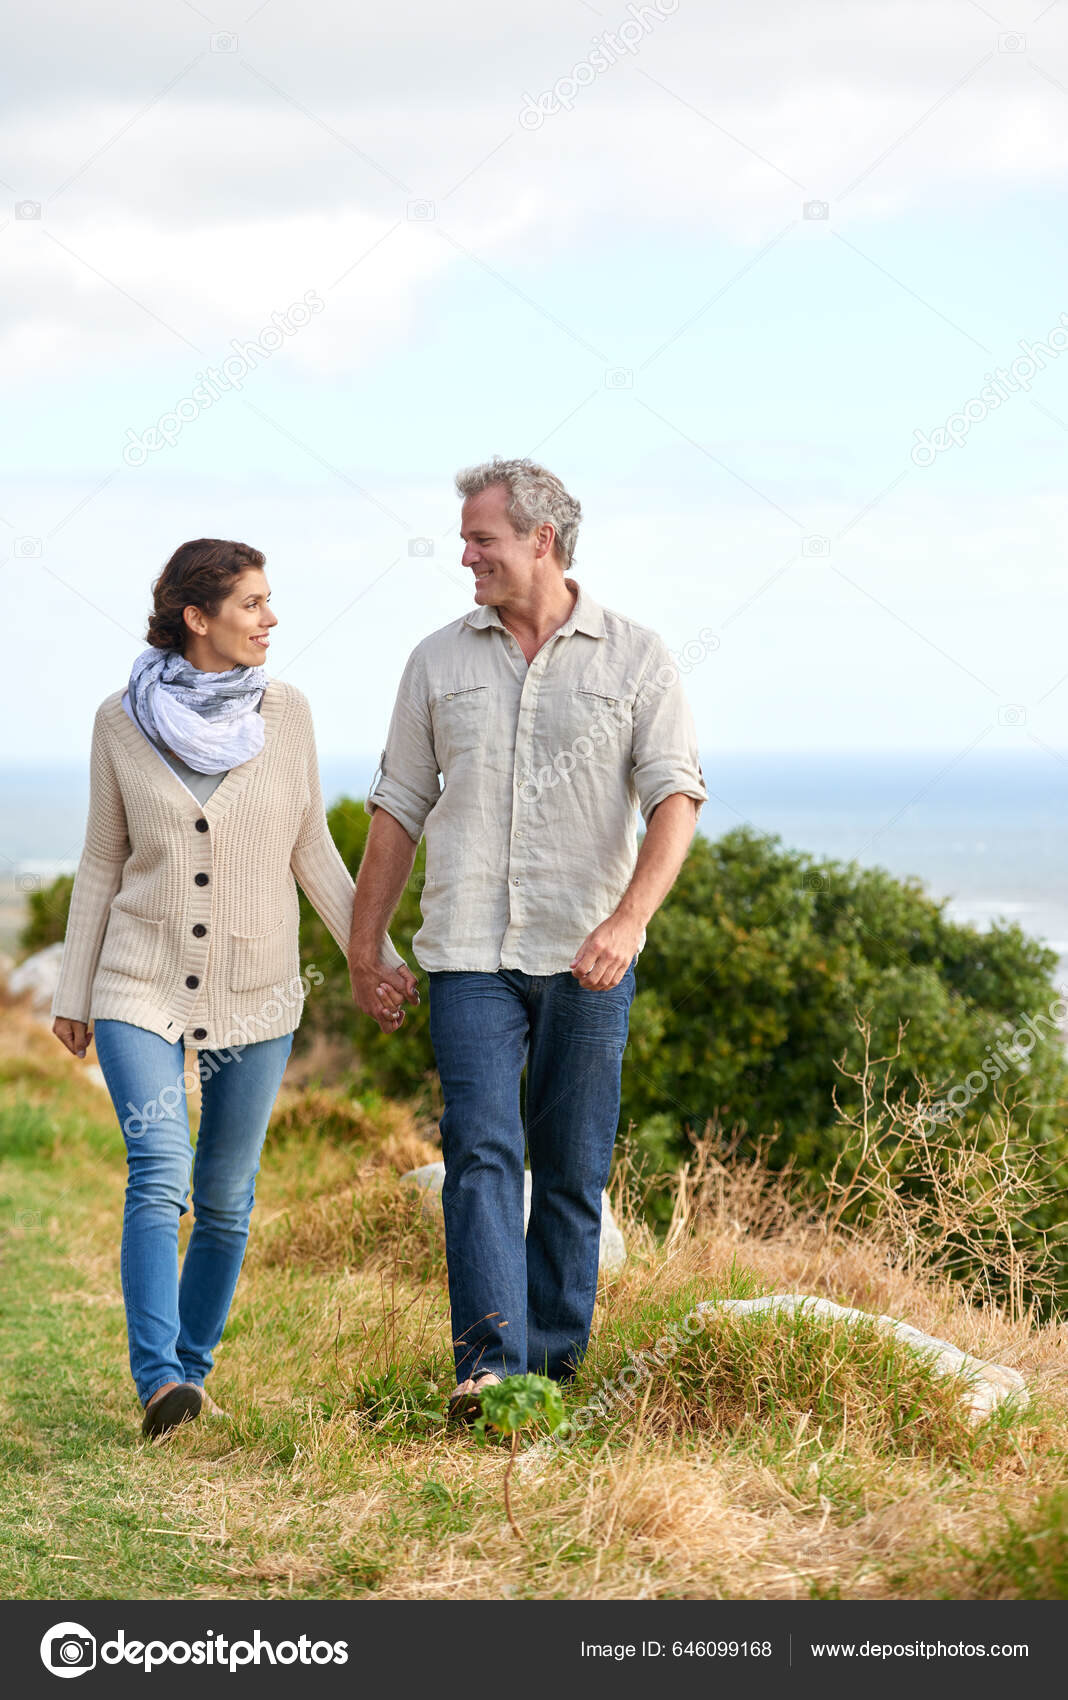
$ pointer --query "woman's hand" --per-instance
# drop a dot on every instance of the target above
(381, 992)
(74, 1034)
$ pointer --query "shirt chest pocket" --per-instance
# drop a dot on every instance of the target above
(461, 721)
(599, 723)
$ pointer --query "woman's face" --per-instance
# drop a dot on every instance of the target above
(238, 635)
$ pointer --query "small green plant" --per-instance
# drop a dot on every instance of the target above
(402, 1401)
(513, 1404)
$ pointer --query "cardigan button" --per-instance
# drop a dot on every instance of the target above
(200, 1032)
(191, 981)
(202, 825)
(200, 879)
(199, 930)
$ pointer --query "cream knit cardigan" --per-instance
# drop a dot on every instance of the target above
(183, 917)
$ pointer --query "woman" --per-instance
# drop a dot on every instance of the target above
(204, 803)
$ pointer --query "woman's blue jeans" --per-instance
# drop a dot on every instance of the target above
(175, 1325)
(515, 1306)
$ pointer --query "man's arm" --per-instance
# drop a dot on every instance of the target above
(666, 772)
(387, 862)
(607, 953)
(399, 802)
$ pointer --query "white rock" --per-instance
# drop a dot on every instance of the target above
(38, 975)
(986, 1385)
(431, 1177)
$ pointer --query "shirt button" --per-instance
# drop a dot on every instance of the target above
(191, 981)
(200, 1032)
(515, 882)
(449, 695)
(202, 825)
(199, 930)
(200, 879)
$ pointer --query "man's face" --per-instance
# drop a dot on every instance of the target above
(503, 564)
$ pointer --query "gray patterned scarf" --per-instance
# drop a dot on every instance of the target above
(209, 720)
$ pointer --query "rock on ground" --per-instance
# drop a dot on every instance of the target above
(38, 975)
(985, 1385)
(430, 1179)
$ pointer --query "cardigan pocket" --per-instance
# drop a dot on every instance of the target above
(258, 959)
(132, 944)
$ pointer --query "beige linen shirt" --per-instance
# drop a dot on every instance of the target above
(532, 835)
(183, 918)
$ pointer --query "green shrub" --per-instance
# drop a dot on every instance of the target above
(754, 970)
(46, 922)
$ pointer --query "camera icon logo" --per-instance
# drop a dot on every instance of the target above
(421, 547)
(1012, 43)
(1012, 714)
(619, 378)
(419, 211)
(27, 548)
(816, 209)
(819, 546)
(27, 209)
(224, 42)
(68, 1649)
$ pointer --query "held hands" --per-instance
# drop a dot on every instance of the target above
(381, 992)
(605, 954)
(74, 1034)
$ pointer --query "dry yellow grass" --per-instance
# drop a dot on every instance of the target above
(302, 1492)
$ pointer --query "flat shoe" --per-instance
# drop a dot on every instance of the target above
(180, 1405)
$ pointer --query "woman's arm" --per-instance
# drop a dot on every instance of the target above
(320, 871)
(99, 876)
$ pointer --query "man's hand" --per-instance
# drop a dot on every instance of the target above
(605, 955)
(381, 992)
(74, 1034)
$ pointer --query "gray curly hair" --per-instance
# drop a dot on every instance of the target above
(537, 497)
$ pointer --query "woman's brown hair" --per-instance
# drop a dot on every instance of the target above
(201, 574)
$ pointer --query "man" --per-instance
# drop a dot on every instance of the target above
(550, 721)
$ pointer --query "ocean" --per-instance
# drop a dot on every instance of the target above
(988, 831)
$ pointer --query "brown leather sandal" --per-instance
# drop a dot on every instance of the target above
(465, 1404)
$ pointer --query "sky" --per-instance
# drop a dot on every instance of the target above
(730, 272)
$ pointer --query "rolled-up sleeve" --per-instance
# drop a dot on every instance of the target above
(664, 755)
(406, 785)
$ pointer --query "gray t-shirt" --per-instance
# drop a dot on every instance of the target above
(201, 784)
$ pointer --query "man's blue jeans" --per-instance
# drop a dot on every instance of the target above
(517, 1308)
(174, 1326)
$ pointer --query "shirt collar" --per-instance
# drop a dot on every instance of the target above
(586, 616)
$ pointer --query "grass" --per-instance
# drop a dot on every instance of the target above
(772, 1457)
